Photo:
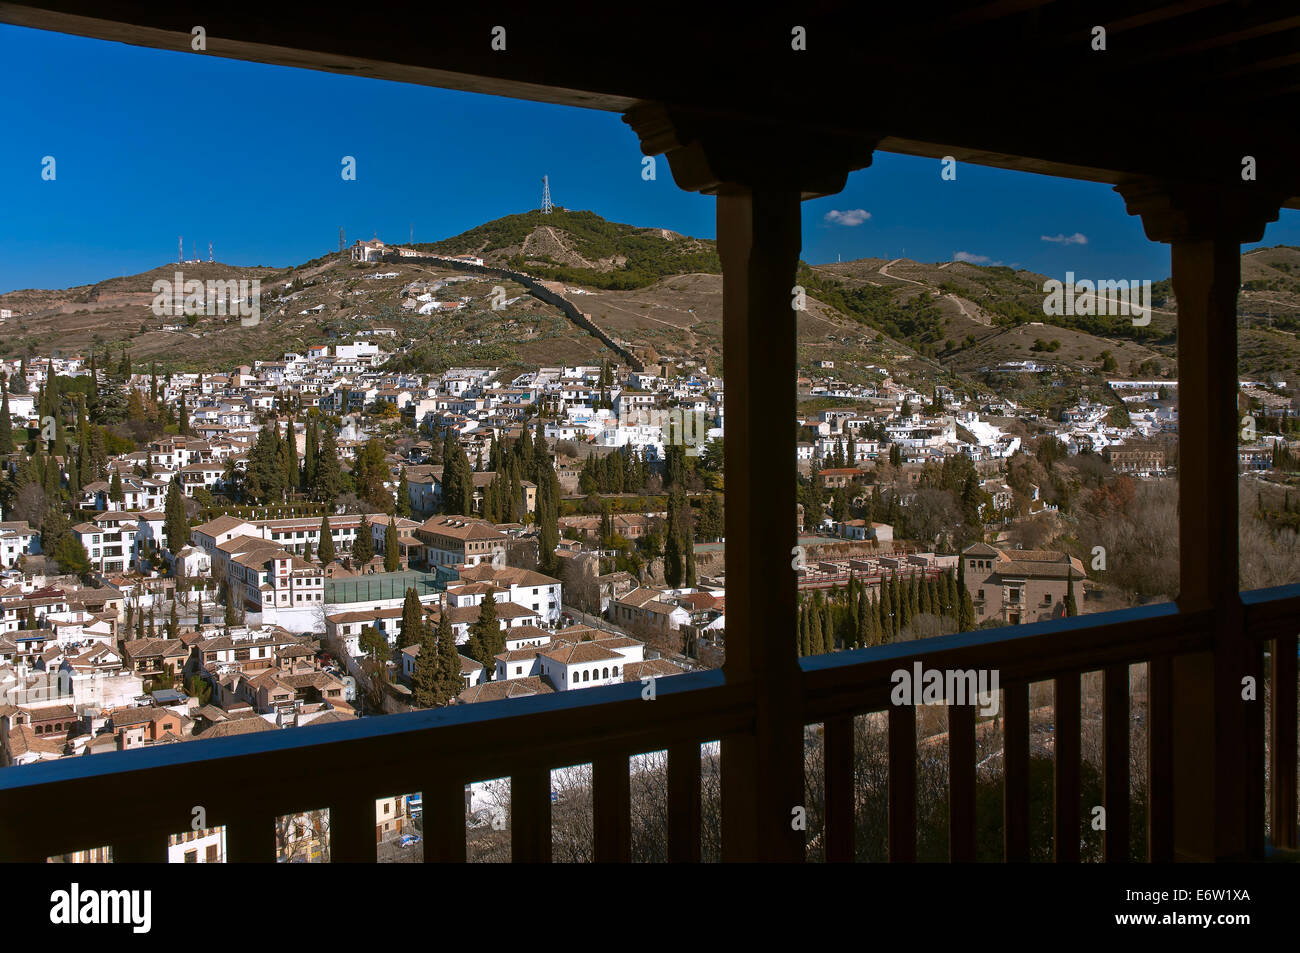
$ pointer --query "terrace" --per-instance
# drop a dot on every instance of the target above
(761, 129)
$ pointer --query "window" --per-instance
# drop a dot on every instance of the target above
(191, 857)
(615, 671)
(980, 594)
(605, 673)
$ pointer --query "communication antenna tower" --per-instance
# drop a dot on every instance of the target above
(209, 251)
(180, 248)
(546, 195)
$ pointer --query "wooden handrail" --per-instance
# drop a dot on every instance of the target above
(345, 767)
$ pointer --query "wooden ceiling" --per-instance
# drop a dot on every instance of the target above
(1182, 90)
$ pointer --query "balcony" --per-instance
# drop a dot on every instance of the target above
(1213, 794)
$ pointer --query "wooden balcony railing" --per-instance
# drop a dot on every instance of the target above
(134, 800)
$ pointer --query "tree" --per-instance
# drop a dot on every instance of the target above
(6, 426)
(450, 682)
(71, 555)
(403, 504)
(329, 473)
(392, 556)
(487, 634)
(413, 628)
(173, 621)
(199, 689)
(672, 560)
(1071, 607)
(326, 549)
(424, 682)
(374, 644)
(176, 524)
(363, 548)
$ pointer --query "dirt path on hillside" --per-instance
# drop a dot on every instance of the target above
(978, 317)
(882, 271)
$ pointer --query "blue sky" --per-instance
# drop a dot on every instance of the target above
(151, 145)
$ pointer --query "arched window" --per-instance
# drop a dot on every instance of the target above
(604, 673)
(586, 676)
(616, 671)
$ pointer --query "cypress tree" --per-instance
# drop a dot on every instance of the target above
(173, 621)
(923, 601)
(310, 452)
(363, 548)
(817, 630)
(291, 473)
(966, 614)
(326, 548)
(424, 683)
(306, 551)
(329, 475)
(862, 624)
(828, 634)
(175, 523)
(450, 683)
(403, 505)
(115, 492)
(886, 609)
(392, 557)
(487, 631)
(412, 631)
(6, 426)
(903, 607)
(672, 559)
(1071, 608)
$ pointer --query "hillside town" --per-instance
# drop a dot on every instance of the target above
(315, 539)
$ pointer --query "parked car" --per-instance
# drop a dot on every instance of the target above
(408, 840)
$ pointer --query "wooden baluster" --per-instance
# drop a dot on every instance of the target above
(961, 783)
(1282, 777)
(144, 847)
(1160, 760)
(1015, 760)
(444, 821)
(684, 803)
(840, 796)
(251, 838)
(530, 816)
(352, 834)
(611, 795)
(1115, 761)
(1066, 821)
(902, 784)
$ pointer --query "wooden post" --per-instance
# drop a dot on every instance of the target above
(1216, 768)
(759, 174)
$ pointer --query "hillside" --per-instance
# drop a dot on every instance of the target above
(656, 289)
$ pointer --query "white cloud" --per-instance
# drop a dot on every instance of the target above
(852, 216)
(973, 259)
(1078, 238)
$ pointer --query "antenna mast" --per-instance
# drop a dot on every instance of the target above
(180, 248)
(546, 195)
(209, 251)
(340, 238)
